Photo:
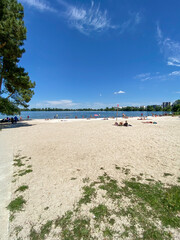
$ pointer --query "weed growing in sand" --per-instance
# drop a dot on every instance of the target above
(117, 167)
(167, 174)
(17, 230)
(73, 178)
(18, 162)
(22, 188)
(100, 212)
(16, 204)
(137, 211)
(88, 194)
(86, 180)
(24, 172)
(178, 179)
(44, 231)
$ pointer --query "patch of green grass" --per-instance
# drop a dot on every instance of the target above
(24, 172)
(16, 204)
(126, 171)
(150, 209)
(18, 162)
(22, 188)
(29, 166)
(81, 228)
(11, 217)
(117, 167)
(150, 179)
(88, 194)
(167, 174)
(70, 230)
(108, 233)
(65, 220)
(178, 179)
(112, 221)
(18, 229)
(86, 180)
(164, 201)
(73, 178)
(100, 212)
(44, 231)
(110, 186)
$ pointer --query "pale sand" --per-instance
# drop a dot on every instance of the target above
(78, 149)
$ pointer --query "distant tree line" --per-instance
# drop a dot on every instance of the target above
(174, 108)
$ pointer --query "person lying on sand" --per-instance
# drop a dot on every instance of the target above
(150, 122)
(126, 124)
(122, 124)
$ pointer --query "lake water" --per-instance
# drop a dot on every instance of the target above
(81, 114)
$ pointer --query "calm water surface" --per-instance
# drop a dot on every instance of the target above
(80, 114)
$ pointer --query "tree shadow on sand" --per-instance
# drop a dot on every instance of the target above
(15, 125)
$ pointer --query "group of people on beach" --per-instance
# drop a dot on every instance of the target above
(13, 120)
(126, 124)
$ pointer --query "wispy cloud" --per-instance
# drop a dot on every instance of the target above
(157, 76)
(59, 103)
(169, 48)
(119, 92)
(41, 5)
(175, 73)
(87, 19)
(129, 25)
(178, 92)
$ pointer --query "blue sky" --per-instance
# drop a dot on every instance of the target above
(84, 53)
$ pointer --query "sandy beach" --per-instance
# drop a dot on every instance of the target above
(63, 153)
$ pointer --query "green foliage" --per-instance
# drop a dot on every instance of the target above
(16, 204)
(176, 106)
(15, 85)
(88, 194)
(100, 212)
(44, 231)
(22, 188)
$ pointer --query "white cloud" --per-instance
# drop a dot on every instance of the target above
(58, 103)
(178, 92)
(169, 48)
(175, 73)
(87, 19)
(41, 5)
(157, 76)
(131, 23)
(142, 75)
(119, 92)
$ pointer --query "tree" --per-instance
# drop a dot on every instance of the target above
(150, 108)
(176, 106)
(15, 84)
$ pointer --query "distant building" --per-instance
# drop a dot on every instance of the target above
(166, 104)
(143, 107)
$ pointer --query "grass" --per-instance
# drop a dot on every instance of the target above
(24, 172)
(22, 188)
(73, 178)
(88, 193)
(18, 162)
(100, 212)
(44, 231)
(167, 174)
(151, 212)
(16, 204)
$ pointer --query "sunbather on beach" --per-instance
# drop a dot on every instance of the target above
(126, 124)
